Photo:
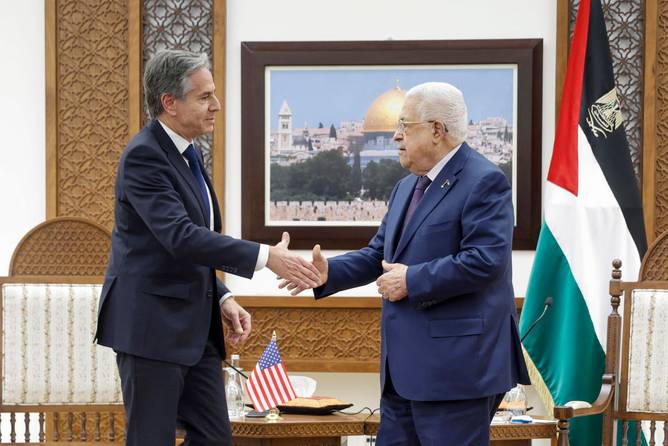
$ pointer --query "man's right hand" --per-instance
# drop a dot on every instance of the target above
(320, 262)
(291, 267)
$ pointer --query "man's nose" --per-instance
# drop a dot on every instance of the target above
(215, 104)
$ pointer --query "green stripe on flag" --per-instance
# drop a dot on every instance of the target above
(563, 346)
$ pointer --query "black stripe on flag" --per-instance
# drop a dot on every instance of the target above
(607, 140)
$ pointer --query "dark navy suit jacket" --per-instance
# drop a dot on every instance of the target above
(160, 293)
(455, 337)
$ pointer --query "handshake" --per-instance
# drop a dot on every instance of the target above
(296, 273)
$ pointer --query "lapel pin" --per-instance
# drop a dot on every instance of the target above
(446, 183)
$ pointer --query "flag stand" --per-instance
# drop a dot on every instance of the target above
(274, 415)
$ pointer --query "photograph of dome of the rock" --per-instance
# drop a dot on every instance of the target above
(330, 150)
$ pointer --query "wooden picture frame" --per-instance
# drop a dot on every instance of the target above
(259, 57)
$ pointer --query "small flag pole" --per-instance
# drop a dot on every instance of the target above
(274, 415)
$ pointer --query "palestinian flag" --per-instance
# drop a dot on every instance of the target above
(593, 214)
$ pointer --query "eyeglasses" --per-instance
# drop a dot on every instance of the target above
(401, 125)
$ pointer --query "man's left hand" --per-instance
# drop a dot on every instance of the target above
(236, 319)
(392, 284)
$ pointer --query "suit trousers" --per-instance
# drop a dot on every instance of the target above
(434, 423)
(158, 394)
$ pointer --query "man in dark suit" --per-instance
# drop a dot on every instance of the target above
(442, 261)
(161, 306)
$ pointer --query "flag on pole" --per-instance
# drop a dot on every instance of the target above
(268, 385)
(593, 214)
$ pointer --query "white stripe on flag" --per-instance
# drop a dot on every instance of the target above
(287, 385)
(255, 396)
(278, 384)
(265, 389)
(266, 375)
(591, 232)
(256, 390)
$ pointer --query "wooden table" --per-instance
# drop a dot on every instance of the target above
(303, 430)
(508, 434)
(513, 434)
(327, 430)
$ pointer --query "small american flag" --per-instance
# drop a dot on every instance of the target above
(268, 385)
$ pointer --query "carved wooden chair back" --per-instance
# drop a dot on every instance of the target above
(64, 387)
(634, 387)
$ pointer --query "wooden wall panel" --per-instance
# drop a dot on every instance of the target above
(95, 55)
(337, 334)
(87, 86)
(649, 120)
(661, 130)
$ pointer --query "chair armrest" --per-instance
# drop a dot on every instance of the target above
(574, 409)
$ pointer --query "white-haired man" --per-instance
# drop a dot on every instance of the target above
(442, 261)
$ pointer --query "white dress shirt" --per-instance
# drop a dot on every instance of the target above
(433, 173)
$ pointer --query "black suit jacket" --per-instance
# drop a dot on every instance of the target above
(160, 293)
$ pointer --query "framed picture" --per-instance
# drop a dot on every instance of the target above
(318, 118)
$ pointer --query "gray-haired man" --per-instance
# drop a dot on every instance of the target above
(161, 306)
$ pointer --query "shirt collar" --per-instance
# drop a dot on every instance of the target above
(433, 173)
(179, 141)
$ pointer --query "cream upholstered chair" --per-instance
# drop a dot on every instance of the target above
(50, 365)
(635, 384)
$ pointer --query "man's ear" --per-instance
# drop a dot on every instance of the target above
(168, 103)
(438, 131)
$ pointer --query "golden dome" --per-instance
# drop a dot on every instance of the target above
(383, 114)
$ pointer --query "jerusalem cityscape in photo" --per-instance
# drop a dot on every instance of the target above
(331, 151)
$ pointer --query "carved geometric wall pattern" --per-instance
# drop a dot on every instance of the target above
(92, 105)
(661, 73)
(180, 24)
(624, 21)
(333, 339)
(335, 334)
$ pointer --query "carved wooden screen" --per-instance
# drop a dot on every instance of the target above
(94, 63)
(638, 34)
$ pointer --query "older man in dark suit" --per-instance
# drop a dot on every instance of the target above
(161, 307)
(442, 261)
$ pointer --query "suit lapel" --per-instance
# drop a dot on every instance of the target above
(396, 214)
(438, 189)
(178, 162)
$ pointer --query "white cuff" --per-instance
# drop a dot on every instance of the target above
(262, 257)
(224, 298)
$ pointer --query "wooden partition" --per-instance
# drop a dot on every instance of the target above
(336, 334)
(95, 55)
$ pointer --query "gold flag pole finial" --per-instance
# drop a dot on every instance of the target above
(273, 335)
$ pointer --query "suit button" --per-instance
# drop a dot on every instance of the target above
(209, 294)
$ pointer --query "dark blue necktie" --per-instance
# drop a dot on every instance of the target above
(196, 169)
(418, 192)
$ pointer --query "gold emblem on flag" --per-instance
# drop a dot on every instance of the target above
(605, 115)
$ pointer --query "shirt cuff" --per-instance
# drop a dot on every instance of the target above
(262, 257)
(224, 298)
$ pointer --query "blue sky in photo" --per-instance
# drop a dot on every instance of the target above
(334, 95)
